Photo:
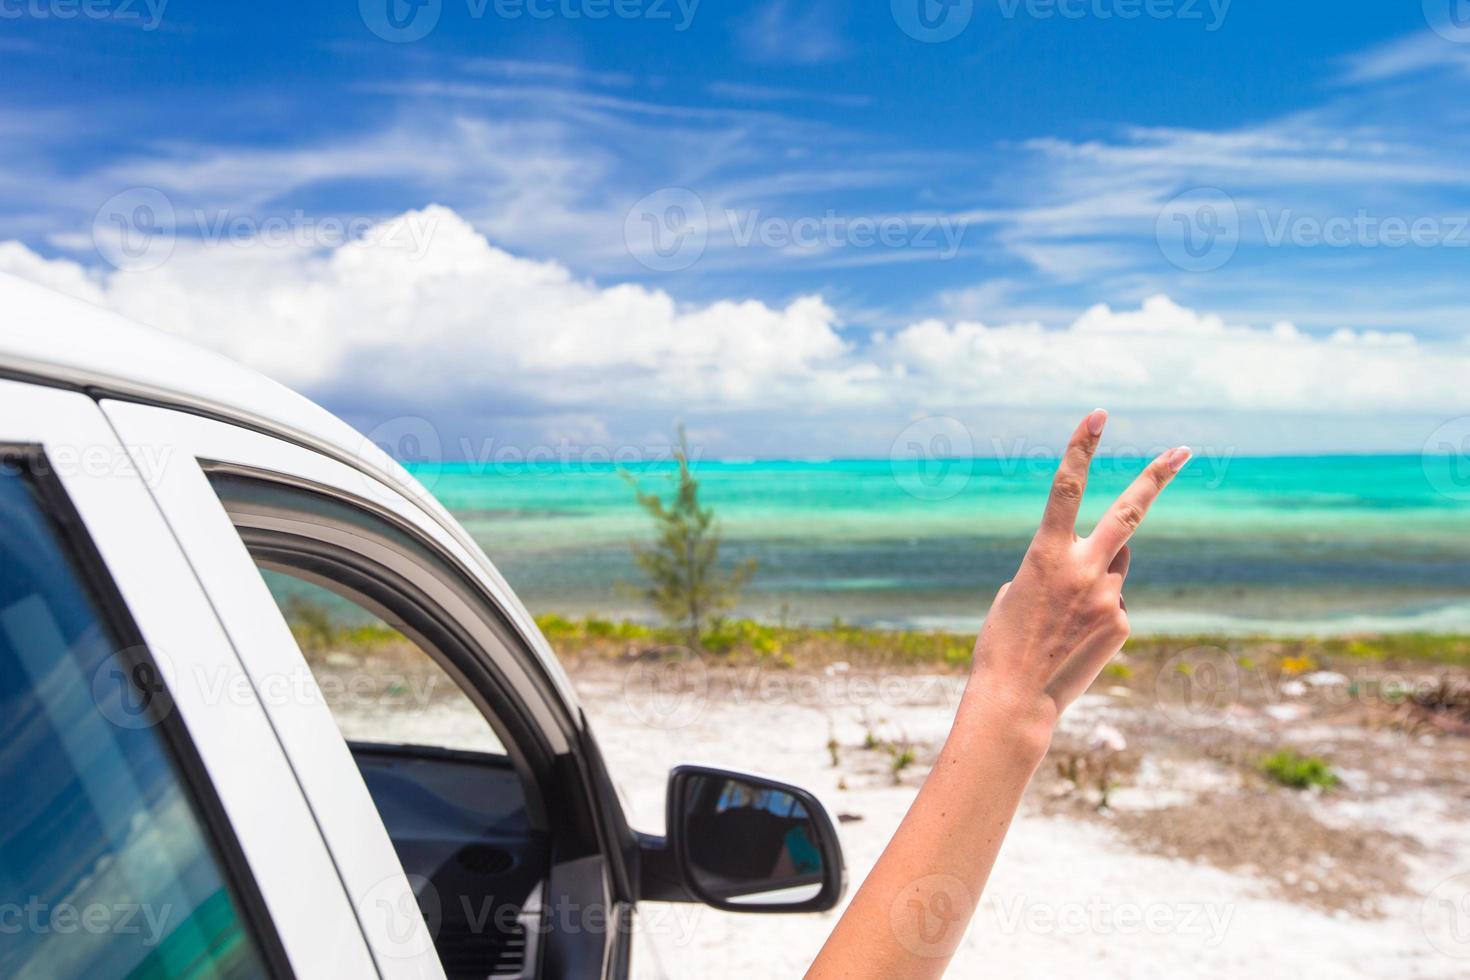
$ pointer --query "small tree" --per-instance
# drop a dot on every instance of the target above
(685, 582)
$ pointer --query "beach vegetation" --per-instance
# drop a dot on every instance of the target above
(318, 631)
(310, 623)
(685, 581)
(901, 756)
(864, 646)
(1289, 768)
(1297, 665)
(561, 630)
(725, 635)
(1097, 771)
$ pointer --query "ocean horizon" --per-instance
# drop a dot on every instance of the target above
(1326, 544)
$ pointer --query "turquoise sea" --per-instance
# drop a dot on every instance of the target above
(1311, 545)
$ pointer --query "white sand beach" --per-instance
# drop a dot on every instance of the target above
(1068, 897)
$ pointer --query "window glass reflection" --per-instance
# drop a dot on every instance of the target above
(105, 869)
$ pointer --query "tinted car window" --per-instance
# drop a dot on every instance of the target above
(380, 685)
(106, 869)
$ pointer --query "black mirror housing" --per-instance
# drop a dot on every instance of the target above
(744, 843)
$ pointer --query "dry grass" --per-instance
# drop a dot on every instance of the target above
(1274, 836)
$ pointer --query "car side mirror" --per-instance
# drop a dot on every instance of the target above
(745, 843)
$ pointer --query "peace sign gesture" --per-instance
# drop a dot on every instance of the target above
(1048, 635)
(1062, 618)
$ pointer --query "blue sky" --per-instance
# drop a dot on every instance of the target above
(813, 173)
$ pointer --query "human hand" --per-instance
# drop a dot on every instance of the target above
(1055, 625)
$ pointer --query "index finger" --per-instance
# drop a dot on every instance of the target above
(1071, 479)
(1128, 511)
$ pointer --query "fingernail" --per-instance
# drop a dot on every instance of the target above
(1096, 421)
(1178, 457)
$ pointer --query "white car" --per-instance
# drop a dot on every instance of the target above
(180, 799)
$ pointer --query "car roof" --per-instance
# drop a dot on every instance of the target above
(57, 338)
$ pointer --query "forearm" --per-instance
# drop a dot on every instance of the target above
(916, 905)
(1047, 636)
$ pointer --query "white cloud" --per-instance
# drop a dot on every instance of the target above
(456, 320)
(1165, 357)
(62, 276)
(741, 92)
(522, 71)
(453, 315)
(806, 35)
(1411, 54)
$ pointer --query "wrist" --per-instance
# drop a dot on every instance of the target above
(1022, 723)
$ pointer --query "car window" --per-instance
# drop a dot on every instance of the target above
(106, 869)
(463, 812)
(380, 685)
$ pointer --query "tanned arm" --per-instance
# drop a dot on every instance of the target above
(1049, 633)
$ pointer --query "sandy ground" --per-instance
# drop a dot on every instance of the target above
(1073, 893)
(1198, 867)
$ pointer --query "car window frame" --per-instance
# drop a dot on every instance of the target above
(250, 614)
(284, 533)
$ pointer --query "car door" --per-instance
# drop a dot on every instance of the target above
(250, 507)
(153, 823)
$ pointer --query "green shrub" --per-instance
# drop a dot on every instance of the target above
(1298, 771)
(900, 757)
(726, 635)
(555, 627)
(311, 623)
(606, 629)
(957, 656)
